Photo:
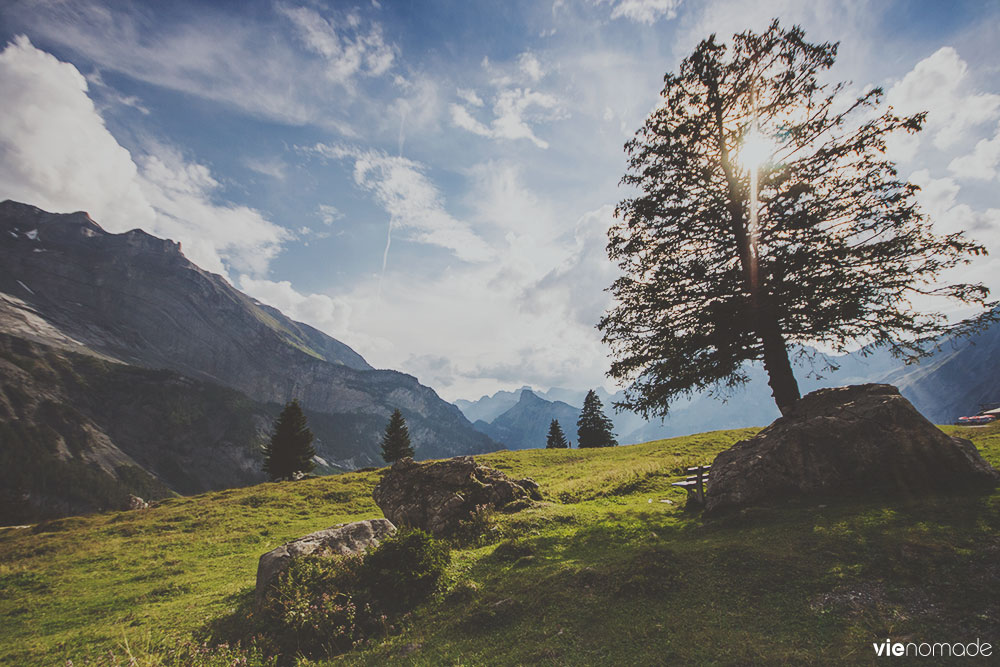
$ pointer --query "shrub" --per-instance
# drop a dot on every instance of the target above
(317, 608)
(321, 606)
(405, 569)
(481, 527)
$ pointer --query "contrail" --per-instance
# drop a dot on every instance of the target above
(385, 258)
(388, 235)
(404, 108)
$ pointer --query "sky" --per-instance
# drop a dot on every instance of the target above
(432, 182)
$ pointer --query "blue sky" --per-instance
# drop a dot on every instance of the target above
(280, 142)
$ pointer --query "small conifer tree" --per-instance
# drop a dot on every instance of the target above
(290, 450)
(396, 441)
(556, 438)
(594, 427)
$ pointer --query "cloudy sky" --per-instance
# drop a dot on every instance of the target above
(432, 182)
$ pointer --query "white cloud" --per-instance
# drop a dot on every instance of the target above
(328, 314)
(268, 166)
(530, 66)
(576, 286)
(95, 79)
(939, 197)
(511, 114)
(644, 11)
(229, 59)
(511, 107)
(516, 107)
(470, 97)
(535, 326)
(461, 117)
(417, 109)
(213, 235)
(940, 85)
(501, 201)
(347, 56)
(982, 163)
(328, 213)
(413, 202)
(56, 153)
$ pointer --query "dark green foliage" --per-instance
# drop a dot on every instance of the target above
(839, 250)
(318, 610)
(593, 429)
(396, 441)
(290, 450)
(556, 438)
(405, 569)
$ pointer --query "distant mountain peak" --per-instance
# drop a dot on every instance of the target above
(529, 396)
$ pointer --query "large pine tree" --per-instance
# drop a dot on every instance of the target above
(290, 450)
(556, 438)
(593, 428)
(768, 216)
(396, 441)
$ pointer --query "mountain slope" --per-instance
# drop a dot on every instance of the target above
(598, 574)
(958, 378)
(79, 434)
(488, 408)
(136, 299)
(952, 382)
(526, 424)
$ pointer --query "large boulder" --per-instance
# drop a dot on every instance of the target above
(437, 496)
(845, 440)
(345, 539)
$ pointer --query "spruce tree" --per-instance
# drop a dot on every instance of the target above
(768, 217)
(396, 441)
(290, 450)
(593, 429)
(556, 438)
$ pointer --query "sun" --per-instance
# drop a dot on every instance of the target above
(756, 150)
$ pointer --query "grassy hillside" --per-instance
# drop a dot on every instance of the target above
(606, 571)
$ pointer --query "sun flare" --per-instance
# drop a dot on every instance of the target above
(756, 150)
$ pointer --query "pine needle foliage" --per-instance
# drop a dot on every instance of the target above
(556, 438)
(290, 449)
(593, 428)
(396, 441)
(839, 252)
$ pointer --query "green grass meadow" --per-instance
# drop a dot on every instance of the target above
(610, 569)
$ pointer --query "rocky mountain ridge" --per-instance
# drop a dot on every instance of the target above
(951, 382)
(70, 287)
(526, 424)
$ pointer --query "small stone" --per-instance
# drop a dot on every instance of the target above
(136, 503)
(345, 539)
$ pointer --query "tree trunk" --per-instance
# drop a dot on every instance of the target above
(781, 379)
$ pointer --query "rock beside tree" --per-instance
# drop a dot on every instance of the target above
(345, 539)
(438, 496)
(847, 440)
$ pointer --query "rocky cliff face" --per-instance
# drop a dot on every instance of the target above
(135, 299)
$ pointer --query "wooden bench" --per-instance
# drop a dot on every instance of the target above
(695, 484)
